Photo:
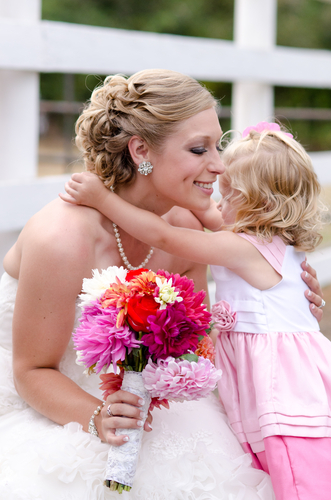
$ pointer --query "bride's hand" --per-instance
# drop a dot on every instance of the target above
(125, 413)
(314, 294)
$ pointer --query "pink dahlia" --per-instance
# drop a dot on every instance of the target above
(171, 333)
(196, 310)
(180, 380)
(99, 341)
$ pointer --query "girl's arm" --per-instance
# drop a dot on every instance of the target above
(222, 248)
(212, 218)
(87, 189)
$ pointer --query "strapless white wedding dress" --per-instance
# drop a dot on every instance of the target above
(191, 454)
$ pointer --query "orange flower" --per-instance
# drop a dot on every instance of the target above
(117, 295)
(205, 348)
(144, 283)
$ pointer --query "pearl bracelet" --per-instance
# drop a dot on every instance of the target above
(91, 425)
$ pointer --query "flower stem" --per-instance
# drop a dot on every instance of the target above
(115, 486)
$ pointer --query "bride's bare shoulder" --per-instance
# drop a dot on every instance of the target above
(58, 233)
(62, 220)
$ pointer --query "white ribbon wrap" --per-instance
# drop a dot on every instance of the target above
(122, 460)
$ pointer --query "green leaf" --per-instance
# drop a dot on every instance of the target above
(190, 357)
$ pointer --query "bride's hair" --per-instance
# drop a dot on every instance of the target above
(271, 182)
(149, 104)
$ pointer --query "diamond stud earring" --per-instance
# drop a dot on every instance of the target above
(145, 168)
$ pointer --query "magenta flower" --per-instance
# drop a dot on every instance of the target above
(171, 332)
(99, 341)
(193, 301)
(222, 316)
(180, 380)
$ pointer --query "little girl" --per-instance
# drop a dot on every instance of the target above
(276, 385)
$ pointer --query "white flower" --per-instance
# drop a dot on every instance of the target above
(94, 288)
(167, 293)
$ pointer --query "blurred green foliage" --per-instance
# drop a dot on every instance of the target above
(301, 23)
(205, 18)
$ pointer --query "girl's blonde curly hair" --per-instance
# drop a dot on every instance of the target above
(149, 104)
(272, 184)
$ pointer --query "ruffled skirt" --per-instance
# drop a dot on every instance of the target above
(275, 384)
(191, 454)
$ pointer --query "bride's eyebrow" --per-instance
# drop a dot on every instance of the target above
(199, 138)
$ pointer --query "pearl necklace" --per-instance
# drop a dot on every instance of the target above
(121, 251)
(122, 254)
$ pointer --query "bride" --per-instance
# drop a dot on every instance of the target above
(155, 120)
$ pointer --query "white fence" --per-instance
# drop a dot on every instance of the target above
(29, 46)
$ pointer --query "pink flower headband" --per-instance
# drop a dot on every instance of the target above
(260, 127)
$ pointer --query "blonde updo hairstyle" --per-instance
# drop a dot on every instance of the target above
(149, 104)
(272, 183)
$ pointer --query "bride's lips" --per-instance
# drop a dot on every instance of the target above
(206, 187)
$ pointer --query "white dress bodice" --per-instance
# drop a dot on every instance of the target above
(282, 308)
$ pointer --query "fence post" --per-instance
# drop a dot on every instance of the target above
(19, 105)
(19, 114)
(255, 24)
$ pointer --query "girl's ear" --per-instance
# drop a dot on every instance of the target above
(138, 149)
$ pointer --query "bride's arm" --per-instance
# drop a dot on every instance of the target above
(55, 257)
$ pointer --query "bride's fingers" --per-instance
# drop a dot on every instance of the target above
(114, 422)
(315, 303)
(114, 440)
(124, 397)
(309, 276)
(148, 424)
(122, 411)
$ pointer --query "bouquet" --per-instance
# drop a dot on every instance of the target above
(154, 327)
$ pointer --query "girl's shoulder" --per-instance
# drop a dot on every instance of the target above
(273, 251)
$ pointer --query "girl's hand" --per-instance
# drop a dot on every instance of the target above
(84, 188)
(125, 409)
(214, 333)
(212, 218)
(314, 294)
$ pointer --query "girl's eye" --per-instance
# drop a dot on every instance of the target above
(219, 148)
(198, 151)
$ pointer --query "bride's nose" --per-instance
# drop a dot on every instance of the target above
(216, 165)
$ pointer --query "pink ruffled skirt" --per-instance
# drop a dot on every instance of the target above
(275, 384)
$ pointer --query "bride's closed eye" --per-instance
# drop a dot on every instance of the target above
(201, 150)
(198, 151)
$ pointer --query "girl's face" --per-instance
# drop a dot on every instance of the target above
(188, 165)
(228, 210)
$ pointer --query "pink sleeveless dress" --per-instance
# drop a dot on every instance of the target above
(276, 364)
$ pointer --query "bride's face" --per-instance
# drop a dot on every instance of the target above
(188, 165)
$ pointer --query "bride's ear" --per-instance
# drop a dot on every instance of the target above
(138, 149)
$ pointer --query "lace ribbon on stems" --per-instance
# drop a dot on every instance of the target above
(122, 460)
